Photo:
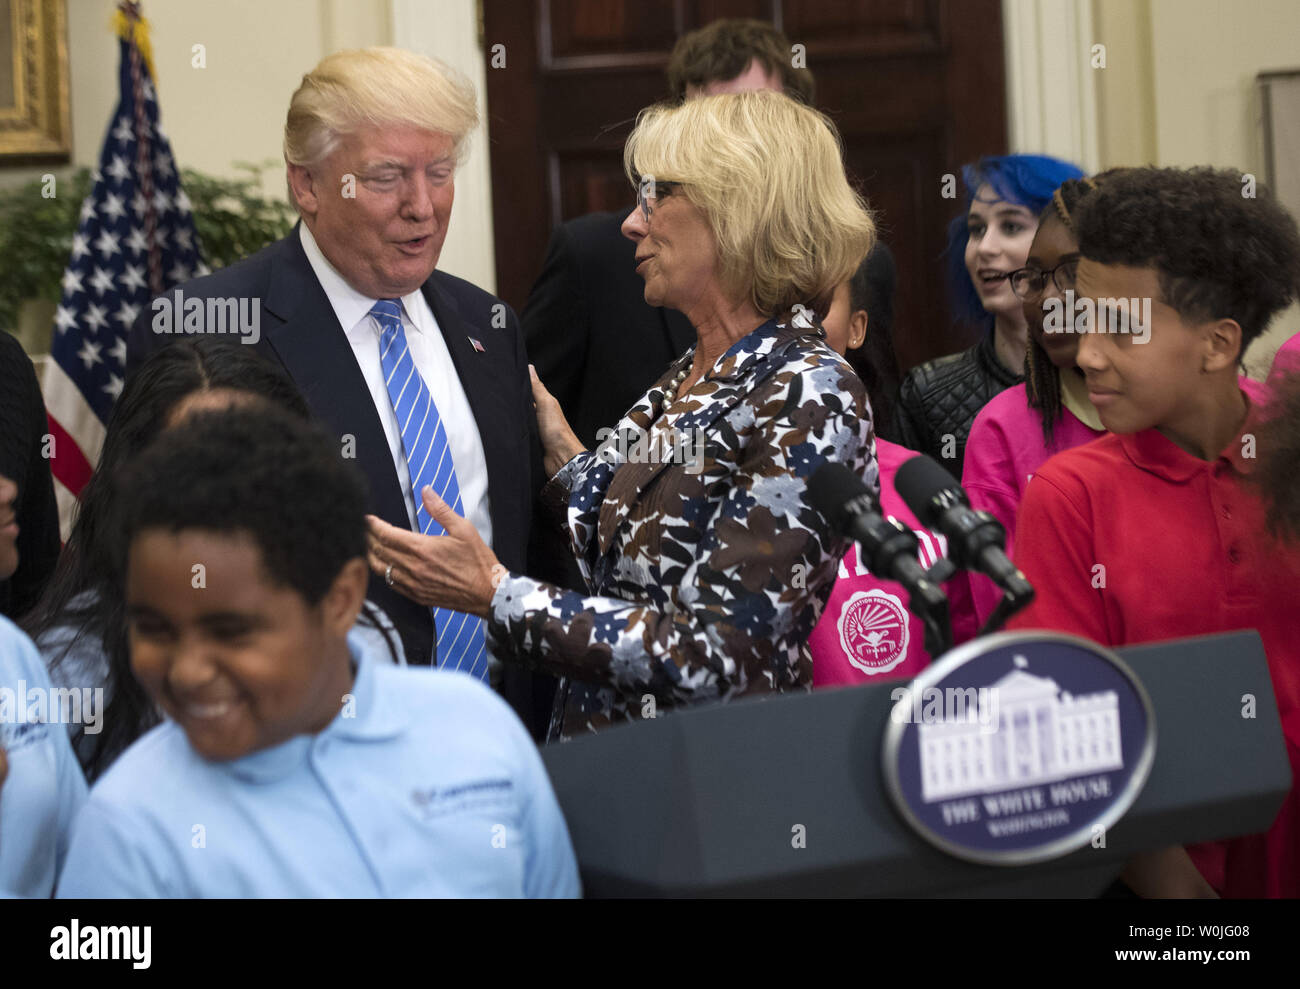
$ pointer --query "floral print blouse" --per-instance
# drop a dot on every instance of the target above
(707, 569)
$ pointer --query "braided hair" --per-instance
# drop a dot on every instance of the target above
(1042, 377)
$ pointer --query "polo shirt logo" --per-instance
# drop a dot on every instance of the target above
(874, 631)
(462, 797)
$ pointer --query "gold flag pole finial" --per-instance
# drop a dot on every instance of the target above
(131, 27)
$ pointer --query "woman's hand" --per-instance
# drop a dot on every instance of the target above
(559, 444)
(456, 570)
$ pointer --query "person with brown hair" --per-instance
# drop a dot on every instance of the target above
(734, 55)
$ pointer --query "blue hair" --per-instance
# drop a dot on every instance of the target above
(1028, 181)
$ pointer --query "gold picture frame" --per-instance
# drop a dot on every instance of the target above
(34, 116)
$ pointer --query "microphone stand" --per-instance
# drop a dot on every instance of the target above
(1017, 593)
(927, 601)
(925, 598)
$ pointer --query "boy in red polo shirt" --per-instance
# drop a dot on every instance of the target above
(1149, 533)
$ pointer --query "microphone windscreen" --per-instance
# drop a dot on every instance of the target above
(831, 488)
(919, 482)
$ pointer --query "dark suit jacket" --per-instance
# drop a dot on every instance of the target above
(23, 428)
(596, 343)
(299, 329)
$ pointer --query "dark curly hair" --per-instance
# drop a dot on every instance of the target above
(1278, 452)
(723, 50)
(255, 470)
(1218, 253)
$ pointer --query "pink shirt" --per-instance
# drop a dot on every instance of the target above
(1286, 360)
(1004, 451)
(866, 633)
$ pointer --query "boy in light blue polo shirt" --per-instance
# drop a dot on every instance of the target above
(294, 763)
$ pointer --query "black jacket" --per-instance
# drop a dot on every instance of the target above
(596, 343)
(22, 459)
(941, 398)
(300, 331)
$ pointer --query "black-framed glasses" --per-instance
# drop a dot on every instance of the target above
(648, 189)
(1028, 283)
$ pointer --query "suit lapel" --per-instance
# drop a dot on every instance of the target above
(315, 351)
(480, 374)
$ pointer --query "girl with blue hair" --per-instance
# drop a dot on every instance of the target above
(938, 400)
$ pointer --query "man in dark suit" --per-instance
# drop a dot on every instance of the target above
(420, 374)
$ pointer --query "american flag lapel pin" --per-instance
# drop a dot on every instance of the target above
(477, 345)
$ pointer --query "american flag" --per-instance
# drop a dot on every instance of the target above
(136, 239)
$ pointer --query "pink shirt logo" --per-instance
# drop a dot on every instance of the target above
(874, 632)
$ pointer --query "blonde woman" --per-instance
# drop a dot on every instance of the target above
(707, 571)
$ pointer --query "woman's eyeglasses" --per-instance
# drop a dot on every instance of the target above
(1028, 283)
(648, 190)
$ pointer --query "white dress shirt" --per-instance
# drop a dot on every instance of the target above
(433, 362)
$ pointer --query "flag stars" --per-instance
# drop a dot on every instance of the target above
(80, 246)
(101, 281)
(126, 314)
(88, 209)
(119, 169)
(137, 241)
(118, 352)
(106, 243)
(89, 354)
(162, 163)
(96, 316)
(179, 272)
(113, 206)
(64, 319)
(184, 238)
(133, 276)
(114, 386)
(139, 205)
(161, 202)
(182, 201)
(122, 133)
(71, 282)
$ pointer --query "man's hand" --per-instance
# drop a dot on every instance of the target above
(559, 443)
(455, 570)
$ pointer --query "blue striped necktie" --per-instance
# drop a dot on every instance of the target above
(461, 644)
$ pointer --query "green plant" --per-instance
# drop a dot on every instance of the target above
(233, 218)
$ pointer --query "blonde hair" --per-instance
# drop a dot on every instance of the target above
(768, 175)
(349, 89)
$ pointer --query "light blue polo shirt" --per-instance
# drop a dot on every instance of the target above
(44, 789)
(424, 785)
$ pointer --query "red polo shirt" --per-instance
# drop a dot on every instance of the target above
(1185, 552)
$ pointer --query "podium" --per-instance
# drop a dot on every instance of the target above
(784, 796)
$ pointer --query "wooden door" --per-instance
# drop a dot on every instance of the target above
(916, 88)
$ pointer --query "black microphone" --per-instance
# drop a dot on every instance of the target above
(976, 540)
(888, 548)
